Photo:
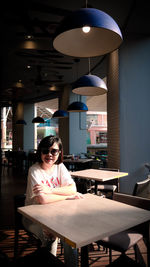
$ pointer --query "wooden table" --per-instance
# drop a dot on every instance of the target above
(98, 175)
(83, 221)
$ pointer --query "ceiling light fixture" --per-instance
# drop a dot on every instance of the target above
(38, 120)
(60, 114)
(89, 85)
(87, 32)
(18, 84)
(77, 106)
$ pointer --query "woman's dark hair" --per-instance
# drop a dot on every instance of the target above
(47, 142)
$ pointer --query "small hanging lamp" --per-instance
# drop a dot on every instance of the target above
(77, 106)
(38, 120)
(60, 114)
(21, 122)
(18, 84)
(87, 32)
(89, 85)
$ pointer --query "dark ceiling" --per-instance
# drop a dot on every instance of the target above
(42, 67)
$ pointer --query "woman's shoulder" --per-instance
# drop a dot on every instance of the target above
(61, 166)
(34, 167)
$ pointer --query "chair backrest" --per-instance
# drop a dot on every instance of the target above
(32, 158)
(142, 188)
(140, 202)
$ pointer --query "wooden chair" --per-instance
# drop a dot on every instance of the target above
(19, 201)
(142, 188)
(126, 239)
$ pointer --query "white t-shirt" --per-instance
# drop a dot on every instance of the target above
(36, 175)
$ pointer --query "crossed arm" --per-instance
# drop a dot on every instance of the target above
(44, 194)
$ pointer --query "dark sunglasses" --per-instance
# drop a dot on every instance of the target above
(52, 151)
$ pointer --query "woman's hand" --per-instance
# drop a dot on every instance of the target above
(41, 188)
(75, 196)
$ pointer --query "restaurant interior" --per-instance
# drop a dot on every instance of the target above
(44, 72)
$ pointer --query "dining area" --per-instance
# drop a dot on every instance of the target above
(86, 222)
(94, 220)
(73, 62)
(19, 160)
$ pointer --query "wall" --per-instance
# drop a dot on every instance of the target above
(134, 111)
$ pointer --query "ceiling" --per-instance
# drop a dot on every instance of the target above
(42, 68)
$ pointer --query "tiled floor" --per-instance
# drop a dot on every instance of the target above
(13, 183)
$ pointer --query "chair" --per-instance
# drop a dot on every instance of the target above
(31, 158)
(15, 159)
(142, 188)
(19, 201)
(106, 188)
(126, 239)
(123, 261)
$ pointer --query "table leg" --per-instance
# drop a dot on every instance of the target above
(84, 257)
(96, 183)
(118, 185)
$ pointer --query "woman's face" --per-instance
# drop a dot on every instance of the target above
(50, 155)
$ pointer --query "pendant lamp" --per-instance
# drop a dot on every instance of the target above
(60, 114)
(77, 106)
(21, 122)
(87, 32)
(38, 120)
(89, 85)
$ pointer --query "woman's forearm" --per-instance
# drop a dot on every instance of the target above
(56, 194)
(65, 190)
(49, 198)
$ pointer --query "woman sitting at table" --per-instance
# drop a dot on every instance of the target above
(49, 181)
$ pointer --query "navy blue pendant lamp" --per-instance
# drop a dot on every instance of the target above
(89, 85)
(77, 106)
(87, 32)
(60, 114)
(21, 122)
(38, 120)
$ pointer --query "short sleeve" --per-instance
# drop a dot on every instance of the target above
(33, 178)
(65, 177)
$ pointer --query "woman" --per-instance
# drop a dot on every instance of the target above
(49, 181)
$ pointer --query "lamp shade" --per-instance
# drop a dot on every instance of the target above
(89, 85)
(21, 122)
(77, 107)
(38, 120)
(60, 114)
(104, 35)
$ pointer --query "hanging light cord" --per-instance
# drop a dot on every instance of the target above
(89, 65)
(86, 3)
